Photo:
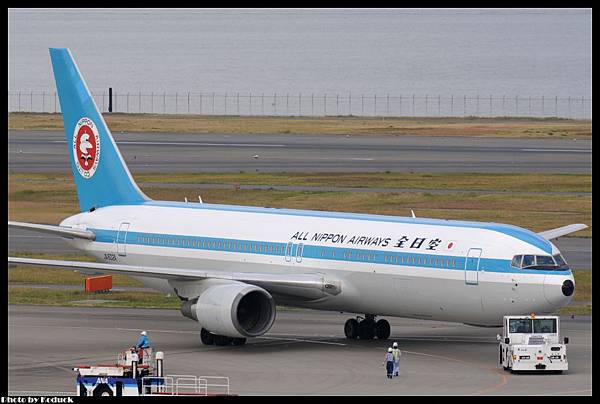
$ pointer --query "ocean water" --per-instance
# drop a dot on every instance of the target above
(399, 51)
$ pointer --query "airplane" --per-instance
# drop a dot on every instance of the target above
(232, 265)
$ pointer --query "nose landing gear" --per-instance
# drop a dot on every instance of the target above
(366, 328)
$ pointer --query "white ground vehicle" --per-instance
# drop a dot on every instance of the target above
(531, 343)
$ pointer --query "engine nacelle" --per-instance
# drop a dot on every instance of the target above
(233, 309)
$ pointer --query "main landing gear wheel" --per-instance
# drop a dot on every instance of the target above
(351, 328)
(382, 329)
(367, 328)
(207, 337)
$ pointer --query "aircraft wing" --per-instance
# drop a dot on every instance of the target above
(561, 231)
(301, 285)
(68, 232)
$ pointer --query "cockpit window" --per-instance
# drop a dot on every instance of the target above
(560, 261)
(546, 262)
(528, 261)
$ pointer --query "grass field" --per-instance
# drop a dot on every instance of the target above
(469, 126)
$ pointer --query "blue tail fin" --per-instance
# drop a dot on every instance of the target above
(100, 173)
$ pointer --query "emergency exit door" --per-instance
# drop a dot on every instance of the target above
(122, 239)
(472, 266)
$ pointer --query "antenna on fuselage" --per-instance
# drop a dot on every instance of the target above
(413, 214)
(185, 199)
(199, 199)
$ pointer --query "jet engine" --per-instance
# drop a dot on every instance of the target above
(232, 309)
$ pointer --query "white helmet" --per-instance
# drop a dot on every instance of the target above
(144, 333)
(389, 349)
(395, 345)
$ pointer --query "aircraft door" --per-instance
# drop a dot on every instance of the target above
(472, 266)
(122, 239)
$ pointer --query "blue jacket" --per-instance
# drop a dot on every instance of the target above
(143, 342)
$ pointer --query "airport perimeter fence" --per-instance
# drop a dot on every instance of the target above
(276, 104)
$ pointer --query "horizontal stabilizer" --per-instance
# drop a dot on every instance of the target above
(67, 232)
(561, 231)
(268, 281)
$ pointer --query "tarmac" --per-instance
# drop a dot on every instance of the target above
(46, 151)
(305, 353)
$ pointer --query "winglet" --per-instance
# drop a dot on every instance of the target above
(561, 231)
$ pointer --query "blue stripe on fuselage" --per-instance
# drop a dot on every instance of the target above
(442, 262)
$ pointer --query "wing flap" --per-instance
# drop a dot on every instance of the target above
(561, 231)
(68, 232)
(268, 281)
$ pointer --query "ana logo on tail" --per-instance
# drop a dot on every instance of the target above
(86, 147)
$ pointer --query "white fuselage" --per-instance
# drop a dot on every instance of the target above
(405, 267)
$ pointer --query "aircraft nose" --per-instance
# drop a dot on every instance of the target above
(558, 290)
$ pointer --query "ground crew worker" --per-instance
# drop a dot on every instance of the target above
(143, 343)
(396, 354)
(389, 363)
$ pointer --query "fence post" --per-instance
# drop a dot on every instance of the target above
(116, 98)
(451, 104)
(19, 109)
(529, 105)
(262, 104)
(238, 103)
(225, 103)
(325, 104)
(400, 104)
(250, 107)
(490, 104)
(350, 103)
(413, 105)
(164, 102)
(188, 102)
(375, 105)
(127, 102)
(337, 104)
(464, 105)
(503, 102)
(388, 105)
(152, 102)
(556, 106)
(312, 104)
(439, 104)
(55, 102)
(517, 105)
(426, 102)
(569, 107)
(213, 103)
(31, 103)
(140, 102)
(200, 102)
(287, 104)
(44, 100)
(362, 104)
(176, 97)
(582, 108)
(299, 104)
(274, 103)
(477, 114)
